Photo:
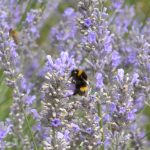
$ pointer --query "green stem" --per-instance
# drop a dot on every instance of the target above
(35, 146)
(19, 1)
(100, 5)
(81, 146)
(100, 123)
(30, 5)
(145, 19)
(54, 139)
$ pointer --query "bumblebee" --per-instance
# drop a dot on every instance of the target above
(79, 79)
(14, 34)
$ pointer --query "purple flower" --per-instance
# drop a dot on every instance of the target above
(4, 130)
(56, 122)
(122, 110)
(131, 58)
(60, 135)
(61, 64)
(87, 22)
(99, 80)
(50, 61)
(121, 74)
(139, 102)
(35, 32)
(14, 54)
(133, 127)
(3, 15)
(117, 4)
(37, 127)
(131, 115)
(135, 78)
(113, 107)
(3, 133)
(30, 99)
(96, 119)
(23, 84)
(107, 143)
(67, 135)
(107, 43)
(116, 59)
(142, 134)
(75, 127)
(92, 37)
(99, 142)
(107, 118)
(68, 11)
(60, 36)
(30, 17)
(89, 130)
(35, 113)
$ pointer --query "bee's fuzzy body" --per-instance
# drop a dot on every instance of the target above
(79, 79)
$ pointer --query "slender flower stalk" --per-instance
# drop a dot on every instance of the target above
(100, 123)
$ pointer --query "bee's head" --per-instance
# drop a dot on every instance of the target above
(74, 72)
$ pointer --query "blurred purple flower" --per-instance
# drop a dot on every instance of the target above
(3, 15)
(87, 22)
(89, 130)
(107, 143)
(135, 78)
(92, 37)
(13, 50)
(30, 17)
(30, 99)
(107, 43)
(37, 127)
(67, 135)
(107, 118)
(117, 3)
(23, 84)
(116, 59)
(131, 59)
(60, 135)
(35, 113)
(68, 12)
(133, 127)
(122, 110)
(131, 115)
(112, 107)
(3, 133)
(96, 119)
(139, 102)
(121, 74)
(56, 122)
(75, 127)
(60, 36)
(99, 80)
(4, 130)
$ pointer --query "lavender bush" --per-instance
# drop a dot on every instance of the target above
(104, 38)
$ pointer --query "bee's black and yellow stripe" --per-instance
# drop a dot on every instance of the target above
(79, 78)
